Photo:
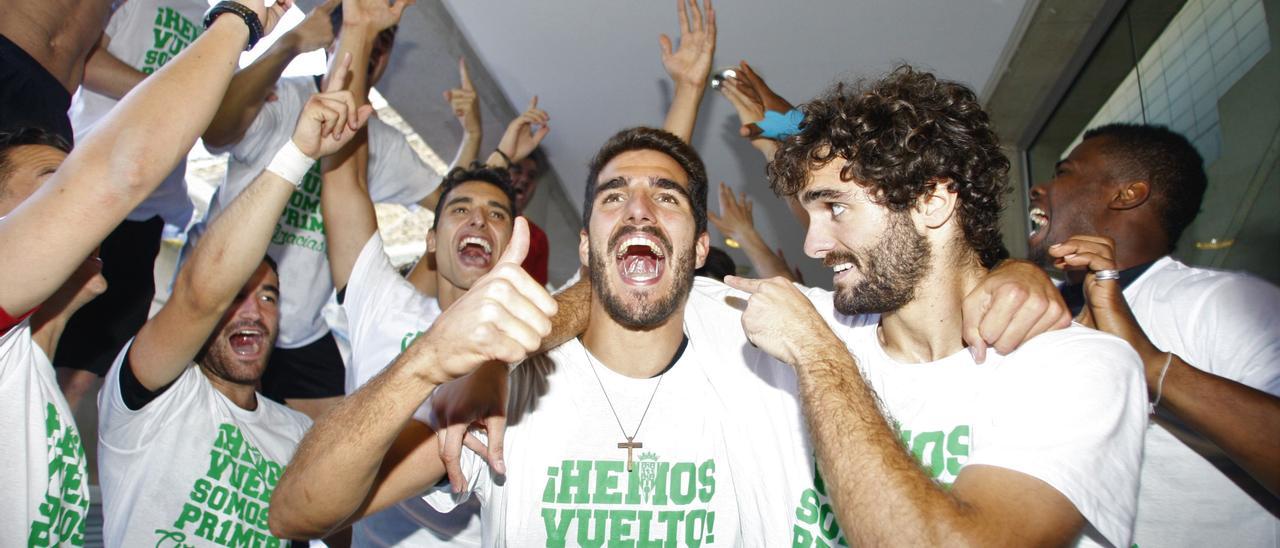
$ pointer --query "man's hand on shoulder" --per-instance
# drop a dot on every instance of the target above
(1014, 303)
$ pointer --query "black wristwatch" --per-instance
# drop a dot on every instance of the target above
(250, 19)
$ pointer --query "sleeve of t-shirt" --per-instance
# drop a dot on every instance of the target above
(474, 469)
(374, 287)
(124, 428)
(274, 118)
(1235, 329)
(1078, 428)
(396, 174)
(118, 18)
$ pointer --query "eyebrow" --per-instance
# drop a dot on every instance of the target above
(457, 199)
(657, 182)
(272, 288)
(1059, 164)
(821, 194)
(497, 204)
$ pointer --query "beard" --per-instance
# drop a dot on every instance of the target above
(891, 270)
(646, 313)
(221, 361)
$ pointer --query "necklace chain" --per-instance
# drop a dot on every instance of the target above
(592, 362)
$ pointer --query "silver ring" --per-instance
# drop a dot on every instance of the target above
(1107, 274)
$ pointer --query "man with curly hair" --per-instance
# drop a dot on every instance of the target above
(919, 444)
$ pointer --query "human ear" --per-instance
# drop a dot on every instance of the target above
(1133, 194)
(937, 206)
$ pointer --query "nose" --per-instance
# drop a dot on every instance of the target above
(817, 240)
(249, 308)
(478, 217)
(640, 209)
(1039, 190)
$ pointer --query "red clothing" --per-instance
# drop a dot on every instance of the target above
(535, 263)
(7, 321)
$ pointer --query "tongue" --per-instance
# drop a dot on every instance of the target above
(474, 255)
(640, 267)
(244, 344)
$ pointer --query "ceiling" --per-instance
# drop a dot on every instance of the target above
(596, 68)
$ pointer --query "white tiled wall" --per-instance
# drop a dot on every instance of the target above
(1205, 49)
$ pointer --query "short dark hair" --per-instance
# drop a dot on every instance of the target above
(1164, 159)
(272, 264)
(646, 138)
(718, 265)
(474, 172)
(899, 136)
(25, 136)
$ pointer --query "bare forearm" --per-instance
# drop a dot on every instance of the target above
(334, 471)
(1242, 421)
(115, 167)
(879, 492)
(234, 245)
(345, 202)
(468, 150)
(106, 74)
(765, 261)
(248, 92)
(571, 318)
(683, 114)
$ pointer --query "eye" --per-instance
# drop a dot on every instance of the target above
(459, 209)
(837, 209)
(499, 215)
(269, 298)
(667, 198)
(611, 198)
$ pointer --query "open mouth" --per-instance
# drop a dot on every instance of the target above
(640, 259)
(475, 252)
(248, 342)
(1038, 220)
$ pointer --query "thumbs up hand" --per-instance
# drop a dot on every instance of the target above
(503, 317)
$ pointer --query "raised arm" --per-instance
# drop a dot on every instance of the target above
(367, 453)
(114, 168)
(345, 200)
(107, 74)
(251, 86)
(1242, 421)
(522, 136)
(736, 221)
(690, 65)
(466, 106)
(236, 244)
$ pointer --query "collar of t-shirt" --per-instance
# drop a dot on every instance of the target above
(1073, 294)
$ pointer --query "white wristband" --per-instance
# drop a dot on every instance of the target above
(291, 164)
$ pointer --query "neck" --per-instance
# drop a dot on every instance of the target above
(447, 293)
(930, 327)
(47, 332)
(243, 395)
(638, 354)
(1144, 247)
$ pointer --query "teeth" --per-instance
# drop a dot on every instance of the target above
(1038, 219)
(477, 241)
(637, 240)
(248, 332)
(842, 267)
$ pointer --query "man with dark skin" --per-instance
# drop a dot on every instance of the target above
(1209, 340)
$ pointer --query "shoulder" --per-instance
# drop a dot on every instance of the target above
(285, 419)
(1173, 281)
(1076, 352)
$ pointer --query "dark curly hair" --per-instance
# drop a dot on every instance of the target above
(1164, 159)
(898, 137)
(646, 138)
(475, 172)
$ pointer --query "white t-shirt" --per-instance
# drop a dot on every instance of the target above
(567, 482)
(953, 413)
(190, 467)
(42, 463)
(396, 174)
(1227, 324)
(385, 313)
(147, 34)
